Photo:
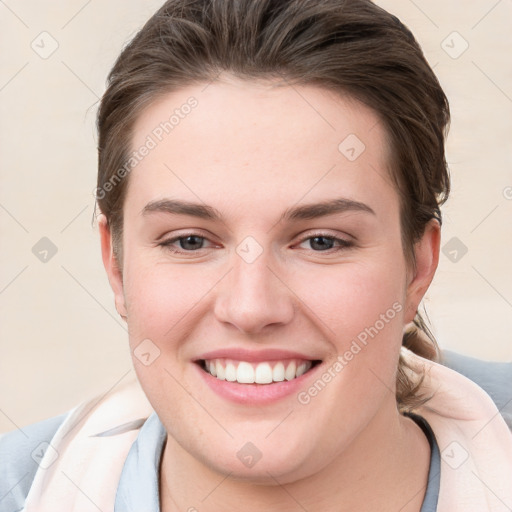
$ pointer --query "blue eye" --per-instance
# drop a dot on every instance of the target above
(324, 243)
(188, 243)
(192, 242)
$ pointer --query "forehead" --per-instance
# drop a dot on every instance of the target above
(256, 143)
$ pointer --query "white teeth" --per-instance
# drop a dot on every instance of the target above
(263, 374)
(221, 374)
(289, 374)
(278, 372)
(245, 373)
(301, 369)
(230, 372)
(259, 373)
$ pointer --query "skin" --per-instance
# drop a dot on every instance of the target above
(252, 150)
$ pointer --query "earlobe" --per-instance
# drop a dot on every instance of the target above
(426, 252)
(111, 265)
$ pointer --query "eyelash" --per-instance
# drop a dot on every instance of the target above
(343, 244)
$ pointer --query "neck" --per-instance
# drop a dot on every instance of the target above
(385, 468)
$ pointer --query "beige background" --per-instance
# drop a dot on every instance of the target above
(61, 339)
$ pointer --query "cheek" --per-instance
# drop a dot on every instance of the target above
(351, 298)
(159, 297)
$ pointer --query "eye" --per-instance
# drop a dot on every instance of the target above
(323, 242)
(188, 243)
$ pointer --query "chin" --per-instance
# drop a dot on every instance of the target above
(260, 462)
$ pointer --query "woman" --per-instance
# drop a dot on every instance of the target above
(269, 183)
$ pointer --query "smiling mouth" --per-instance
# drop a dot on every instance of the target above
(264, 372)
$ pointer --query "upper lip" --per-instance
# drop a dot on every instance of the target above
(243, 354)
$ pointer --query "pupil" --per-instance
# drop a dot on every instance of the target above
(186, 240)
(322, 246)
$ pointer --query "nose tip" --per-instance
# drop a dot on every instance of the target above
(254, 297)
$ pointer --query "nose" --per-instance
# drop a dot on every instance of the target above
(253, 297)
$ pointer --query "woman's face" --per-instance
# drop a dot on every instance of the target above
(261, 239)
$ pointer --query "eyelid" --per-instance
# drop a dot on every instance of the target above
(325, 232)
(183, 233)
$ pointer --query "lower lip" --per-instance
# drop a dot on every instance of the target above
(256, 394)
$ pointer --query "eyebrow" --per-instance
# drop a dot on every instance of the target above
(302, 212)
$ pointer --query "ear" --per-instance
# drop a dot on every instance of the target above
(426, 251)
(111, 265)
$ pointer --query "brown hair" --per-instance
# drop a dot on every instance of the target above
(352, 47)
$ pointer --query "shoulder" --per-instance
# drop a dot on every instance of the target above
(495, 378)
(19, 452)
